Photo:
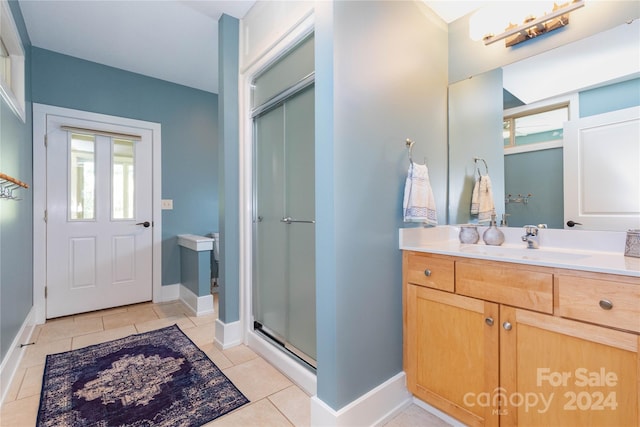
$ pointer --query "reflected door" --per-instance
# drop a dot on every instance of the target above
(284, 236)
(99, 217)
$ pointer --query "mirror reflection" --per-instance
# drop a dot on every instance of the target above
(570, 139)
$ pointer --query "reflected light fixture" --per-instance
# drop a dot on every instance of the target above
(534, 26)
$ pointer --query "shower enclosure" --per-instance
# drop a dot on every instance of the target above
(283, 293)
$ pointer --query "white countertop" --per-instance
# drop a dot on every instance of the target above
(597, 251)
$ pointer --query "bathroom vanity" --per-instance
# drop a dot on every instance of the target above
(513, 336)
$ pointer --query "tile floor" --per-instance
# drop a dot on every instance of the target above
(275, 400)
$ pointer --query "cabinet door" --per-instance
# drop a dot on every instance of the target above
(452, 353)
(559, 372)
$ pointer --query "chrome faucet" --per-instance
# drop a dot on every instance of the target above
(531, 236)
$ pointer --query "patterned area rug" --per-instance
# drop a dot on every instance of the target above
(158, 378)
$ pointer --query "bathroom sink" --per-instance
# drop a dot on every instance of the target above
(521, 253)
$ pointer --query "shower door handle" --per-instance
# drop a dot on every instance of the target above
(289, 220)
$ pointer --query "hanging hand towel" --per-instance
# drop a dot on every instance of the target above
(482, 199)
(419, 204)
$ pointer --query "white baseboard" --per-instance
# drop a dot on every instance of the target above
(198, 305)
(373, 408)
(228, 334)
(303, 377)
(11, 361)
(169, 293)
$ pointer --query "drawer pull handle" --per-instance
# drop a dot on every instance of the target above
(427, 272)
(605, 304)
(489, 321)
(507, 326)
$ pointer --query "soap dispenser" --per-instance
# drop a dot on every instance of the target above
(493, 235)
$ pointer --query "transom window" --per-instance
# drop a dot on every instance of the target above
(540, 126)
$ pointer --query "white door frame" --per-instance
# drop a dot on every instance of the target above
(40, 112)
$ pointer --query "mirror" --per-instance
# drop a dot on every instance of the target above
(533, 175)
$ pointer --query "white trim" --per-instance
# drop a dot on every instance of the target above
(303, 377)
(195, 243)
(12, 359)
(40, 112)
(533, 147)
(169, 293)
(228, 335)
(281, 45)
(376, 407)
(13, 93)
(200, 306)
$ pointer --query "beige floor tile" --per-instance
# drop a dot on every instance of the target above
(99, 313)
(32, 382)
(36, 354)
(205, 319)
(216, 356)
(259, 414)
(20, 413)
(58, 330)
(182, 321)
(416, 416)
(201, 335)
(104, 336)
(239, 354)
(257, 379)
(14, 387)
(295, 404)
(136, 314)
(171, 309)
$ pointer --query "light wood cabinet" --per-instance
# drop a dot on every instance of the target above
(494, 349)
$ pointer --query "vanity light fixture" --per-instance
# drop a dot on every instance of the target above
(535, 26)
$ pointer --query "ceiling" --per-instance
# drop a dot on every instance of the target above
(172, 40)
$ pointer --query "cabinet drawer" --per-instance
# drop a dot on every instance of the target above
(429, 270)
(605, 302)
(519, 286)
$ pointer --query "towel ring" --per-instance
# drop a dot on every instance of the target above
(409, 143)
(486, 168)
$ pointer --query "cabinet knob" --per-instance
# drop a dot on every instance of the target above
(489, 321)
(507, 326)
(605, 304)
(427, 272)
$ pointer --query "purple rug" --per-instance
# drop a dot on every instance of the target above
(158, 378)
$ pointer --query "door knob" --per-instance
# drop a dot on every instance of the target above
(145, 224)
(507, 326)
(489, 321)
(572, 223)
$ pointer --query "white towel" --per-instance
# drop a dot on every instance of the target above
(482, 199)
(419, 204)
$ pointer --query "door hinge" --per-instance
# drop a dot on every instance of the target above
(45, 292)
(45, 215)
(45, 140)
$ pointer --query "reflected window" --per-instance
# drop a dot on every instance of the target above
(535, 127)
(122, 179)
(82, 177)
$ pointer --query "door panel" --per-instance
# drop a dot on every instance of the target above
(602, 171)
(284, 274)
(98, 191)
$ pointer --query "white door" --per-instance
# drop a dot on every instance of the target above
(602, 171)
(99, 216)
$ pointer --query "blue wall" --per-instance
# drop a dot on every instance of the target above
(610, 98)
(368, 100)
(189, 135)
(16, 217)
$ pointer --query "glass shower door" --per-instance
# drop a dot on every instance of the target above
(284, 257)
